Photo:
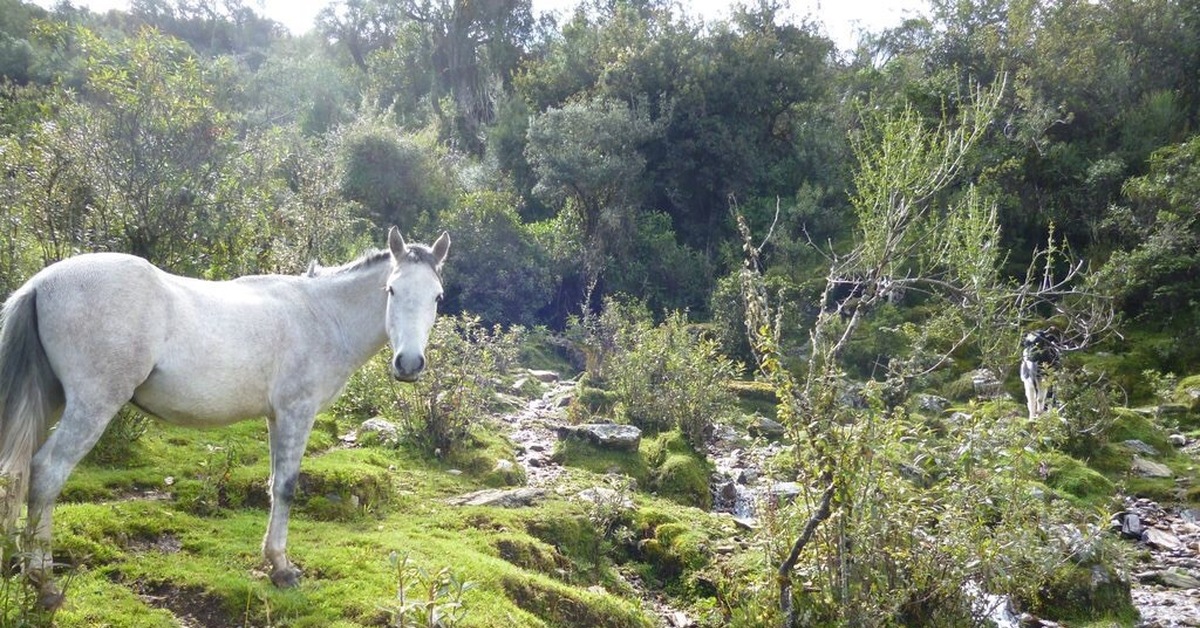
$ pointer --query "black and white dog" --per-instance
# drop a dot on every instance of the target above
(1039, 355)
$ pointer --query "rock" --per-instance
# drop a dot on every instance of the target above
(545, 377)
(1177, 578)
(747, 476)
(1162, 539)
(1139, 447)
(727, 492)
(499, 498)
(986, 384)
(605, 435)
(767, 428)
(1131, 526)
(504, 466)
(746, 523)
(932, 403)
(785, 492)
(1177, 440)
(386, 431)
(1151, 469)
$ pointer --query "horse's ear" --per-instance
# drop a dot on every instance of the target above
(441, 247)
(396, 243)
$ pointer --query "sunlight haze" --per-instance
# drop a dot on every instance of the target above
(842, 19)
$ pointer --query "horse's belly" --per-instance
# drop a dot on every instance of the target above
(208, 401)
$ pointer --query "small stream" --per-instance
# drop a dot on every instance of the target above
(741, 483)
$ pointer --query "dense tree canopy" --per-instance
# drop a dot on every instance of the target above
(622, 134)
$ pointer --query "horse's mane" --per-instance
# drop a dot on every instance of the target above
(417, 253)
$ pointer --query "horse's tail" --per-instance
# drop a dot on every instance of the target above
(28, 388)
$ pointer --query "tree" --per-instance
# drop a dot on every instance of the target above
(917, 227)
(586, 156)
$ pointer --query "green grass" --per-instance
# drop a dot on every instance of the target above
(138, 561)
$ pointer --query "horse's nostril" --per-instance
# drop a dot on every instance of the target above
(409, 365)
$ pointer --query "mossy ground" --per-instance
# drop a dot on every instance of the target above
(175, 530)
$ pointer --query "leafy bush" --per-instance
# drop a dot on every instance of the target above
(663, 377)
(437, 412)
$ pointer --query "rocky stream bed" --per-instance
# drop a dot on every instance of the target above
(1165, 582)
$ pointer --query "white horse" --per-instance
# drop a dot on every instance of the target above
(1039, 352)
(91, 333)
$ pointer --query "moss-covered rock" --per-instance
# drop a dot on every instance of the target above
(344, 484)
(560, 605)
(1073, 477)
(683, 478)
(674, 549)
(1085, 593)
(531, 554)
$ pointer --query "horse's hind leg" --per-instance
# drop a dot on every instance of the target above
(81, 425)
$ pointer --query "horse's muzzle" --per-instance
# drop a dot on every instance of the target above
(408, 368)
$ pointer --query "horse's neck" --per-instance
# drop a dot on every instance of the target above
(355, 305)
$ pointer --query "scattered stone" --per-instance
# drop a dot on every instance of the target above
(387, 431)
(1131, 526)
(1140, 447)
(499, 498)
(766, 428)
(545, 377)
(1162, 539)
(605, 435)
(504, 466)
(1150, 469)
(785, 492)
(454, 471)
(746, 523)
(747, 476)
(932, 403)
(1176, 578)
(986, 384)
(960, 417)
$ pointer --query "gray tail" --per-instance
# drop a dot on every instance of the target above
(28, 392)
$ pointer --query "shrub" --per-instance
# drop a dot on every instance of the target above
(437, 412)
(666, 376)
(116, 445)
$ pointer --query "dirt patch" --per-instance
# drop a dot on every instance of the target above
(192, 607)
(164, 544)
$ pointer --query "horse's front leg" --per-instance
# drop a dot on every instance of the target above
(289, 435)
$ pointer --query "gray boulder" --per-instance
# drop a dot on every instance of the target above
(604, 435)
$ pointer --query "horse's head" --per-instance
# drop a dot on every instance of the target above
(414, 290)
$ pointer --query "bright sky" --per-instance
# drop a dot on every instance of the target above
(842, 18)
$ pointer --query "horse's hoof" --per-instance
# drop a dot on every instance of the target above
(286, 578)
